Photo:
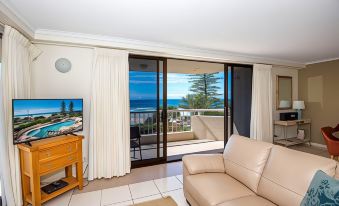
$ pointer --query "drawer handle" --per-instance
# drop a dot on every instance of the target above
(48, 154)
(49, 165)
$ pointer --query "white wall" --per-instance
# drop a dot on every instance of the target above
(47, 82)
(283, 71)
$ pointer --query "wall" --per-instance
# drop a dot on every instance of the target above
(208, 127)
(283, 71)
(318, 87)
(47, 82)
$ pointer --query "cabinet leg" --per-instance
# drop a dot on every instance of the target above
(79, 175)
(68, 171)
(25, 188)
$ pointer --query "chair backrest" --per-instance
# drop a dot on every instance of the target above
(135, 132)
(331, 141)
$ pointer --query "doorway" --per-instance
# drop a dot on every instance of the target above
(147, 82)
(180, 107)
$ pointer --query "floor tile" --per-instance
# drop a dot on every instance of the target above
(143, 189)
(86, 199)
(180, 178)
(168, 184)
(148, 198)
(61, 200)
(178, 197)
(115, 195)
(127, 203)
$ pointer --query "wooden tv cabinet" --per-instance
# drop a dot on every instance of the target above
(47, 156)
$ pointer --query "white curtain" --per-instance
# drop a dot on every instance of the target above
(109, 143)
(17, 57)
(261, 112)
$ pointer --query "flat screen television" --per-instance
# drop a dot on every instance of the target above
(35, 119)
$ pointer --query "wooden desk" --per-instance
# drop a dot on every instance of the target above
(47, 156)
(285, 141)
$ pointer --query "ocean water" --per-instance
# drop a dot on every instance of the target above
(151, 104)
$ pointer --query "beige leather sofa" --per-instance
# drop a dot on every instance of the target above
(251, 173)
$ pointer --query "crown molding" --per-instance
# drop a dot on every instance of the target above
(153, 48)
(322, 61)
(9, 16)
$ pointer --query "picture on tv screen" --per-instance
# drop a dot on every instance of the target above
(35, 119)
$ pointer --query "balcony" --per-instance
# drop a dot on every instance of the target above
(188, 131)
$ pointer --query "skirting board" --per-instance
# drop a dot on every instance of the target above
(318, 145)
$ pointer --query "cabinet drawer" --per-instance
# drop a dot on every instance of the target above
(57, 151)
(58, 163)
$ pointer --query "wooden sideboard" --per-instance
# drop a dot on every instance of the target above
(47, 156)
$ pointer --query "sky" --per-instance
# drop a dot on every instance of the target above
(36, 106)
(143, 85)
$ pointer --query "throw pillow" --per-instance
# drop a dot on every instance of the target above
(323, 191)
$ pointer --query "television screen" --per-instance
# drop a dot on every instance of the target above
(35, 119)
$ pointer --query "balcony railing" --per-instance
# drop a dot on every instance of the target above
(178, 120)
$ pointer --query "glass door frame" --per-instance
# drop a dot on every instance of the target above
(229, 69)
(161, 116)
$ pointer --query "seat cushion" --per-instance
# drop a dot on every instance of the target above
(288, 173)
(245, 159)
(252, 200)
(214, 188)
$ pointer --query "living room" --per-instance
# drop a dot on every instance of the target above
(168, 103)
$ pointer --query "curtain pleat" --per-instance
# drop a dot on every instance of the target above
(17, 56)
(261, 110)
(109, 143)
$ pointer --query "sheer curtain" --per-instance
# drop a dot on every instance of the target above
(17, 57)
(261, 110)
(109, 143)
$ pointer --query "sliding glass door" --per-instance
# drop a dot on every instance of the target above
(147, 110)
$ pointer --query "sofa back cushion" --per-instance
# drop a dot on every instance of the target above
(245, 159)
(288, 174)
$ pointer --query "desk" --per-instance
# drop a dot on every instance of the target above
(289, 141)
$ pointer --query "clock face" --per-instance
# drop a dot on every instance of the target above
(63, 65)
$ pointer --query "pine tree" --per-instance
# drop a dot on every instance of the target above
(204, 92)
(63, 108)
(71, 107)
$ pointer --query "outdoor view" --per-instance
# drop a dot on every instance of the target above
(195, 107)
(36, 119)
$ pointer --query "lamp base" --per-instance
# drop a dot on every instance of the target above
(299, 114)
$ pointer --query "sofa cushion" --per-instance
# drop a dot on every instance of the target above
(202, 163)
(324, 190)
(214, 188)
(252, 200)
(288, 173)
(245, 159)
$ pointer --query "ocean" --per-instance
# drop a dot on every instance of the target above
(151, 104)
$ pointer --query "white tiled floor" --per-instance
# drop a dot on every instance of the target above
(127, 194)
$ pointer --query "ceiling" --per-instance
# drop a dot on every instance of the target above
(301, 31)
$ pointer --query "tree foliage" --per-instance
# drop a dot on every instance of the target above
(204, 92)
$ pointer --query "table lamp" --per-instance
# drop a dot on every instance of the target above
(299, 105)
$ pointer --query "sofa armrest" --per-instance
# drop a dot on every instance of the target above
(204, 163)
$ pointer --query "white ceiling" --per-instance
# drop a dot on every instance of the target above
(301, 31)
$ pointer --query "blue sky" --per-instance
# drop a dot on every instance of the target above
(143, 85)
(22, 107)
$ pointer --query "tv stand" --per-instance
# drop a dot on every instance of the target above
(72, 134)
(44, 157)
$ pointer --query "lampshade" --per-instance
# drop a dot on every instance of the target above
(298, 105)
(284, 104)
